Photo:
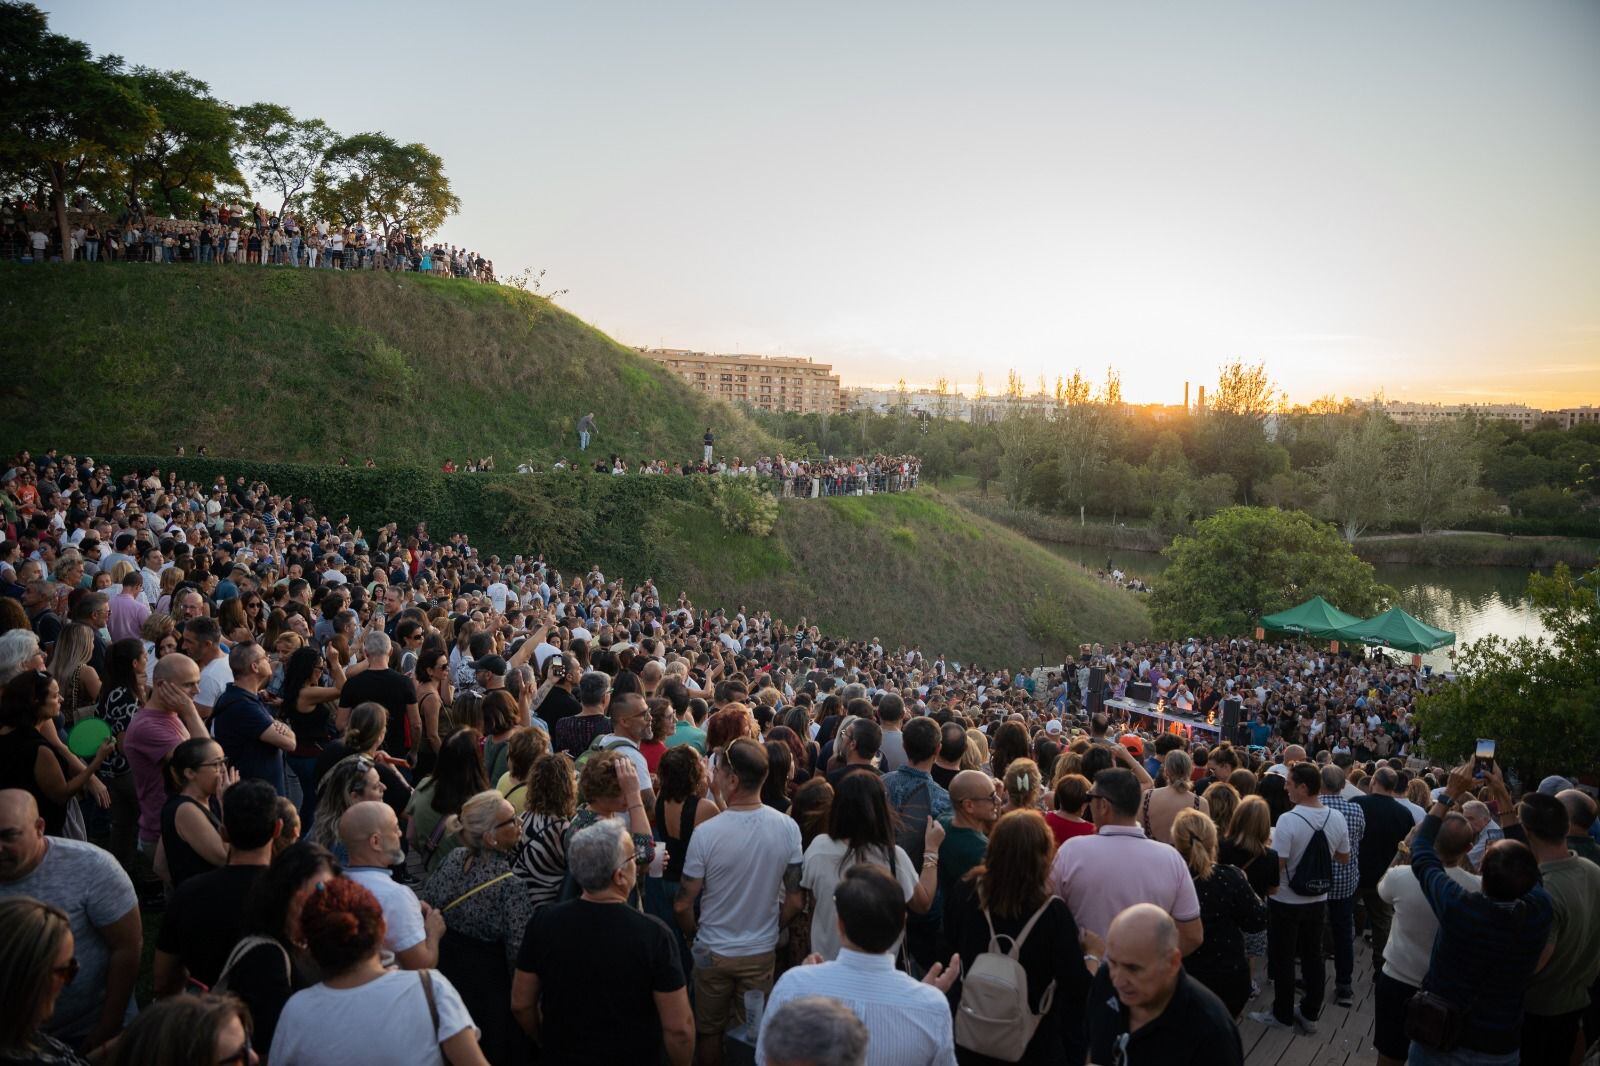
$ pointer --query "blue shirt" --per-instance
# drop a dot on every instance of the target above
(1347, 875)
(1485, 951)
(905, 782)
(237, 721)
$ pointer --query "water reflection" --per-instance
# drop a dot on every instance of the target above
(1470, 601)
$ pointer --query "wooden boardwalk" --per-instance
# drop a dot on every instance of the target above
(1344, 1034)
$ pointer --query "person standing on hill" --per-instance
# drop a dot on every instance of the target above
(585, 431)
(710, 441)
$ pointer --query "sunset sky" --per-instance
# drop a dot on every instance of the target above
(1366, 196)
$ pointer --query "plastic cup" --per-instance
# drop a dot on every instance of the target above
(755, 1001)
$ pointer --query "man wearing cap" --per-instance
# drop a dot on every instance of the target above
(490, 673)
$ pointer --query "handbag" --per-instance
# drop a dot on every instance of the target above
(1433, 1021)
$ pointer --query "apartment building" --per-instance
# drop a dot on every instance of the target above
(765, 382)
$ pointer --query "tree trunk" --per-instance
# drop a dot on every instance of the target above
(58, 193)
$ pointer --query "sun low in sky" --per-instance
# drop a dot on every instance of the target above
(1367, 196)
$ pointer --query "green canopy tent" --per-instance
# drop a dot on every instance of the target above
(1314, 618)
(1396, 629)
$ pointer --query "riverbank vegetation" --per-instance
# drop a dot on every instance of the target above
(1537, 699)
(1078, 453)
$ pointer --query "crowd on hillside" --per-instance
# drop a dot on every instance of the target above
(224, 233)
(398, 800)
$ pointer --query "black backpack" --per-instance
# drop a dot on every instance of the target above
(1313, 876)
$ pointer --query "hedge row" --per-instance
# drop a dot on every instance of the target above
(574, 517)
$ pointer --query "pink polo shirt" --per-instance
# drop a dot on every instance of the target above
(149, 739)
(1100, 876)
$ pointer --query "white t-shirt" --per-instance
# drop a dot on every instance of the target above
(1291, 835)
(1411, 935)
(216, 676)
(498, 593)
(741, 856)
(1417, 813)
(385, 1020)
(820, 875)
(402, 913)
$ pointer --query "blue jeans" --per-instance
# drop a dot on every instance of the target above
(302, 767)
(294, 251)
(1342, 926)
(1421, 1056)
(583, 440)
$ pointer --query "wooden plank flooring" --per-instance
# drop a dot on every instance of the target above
(1344, 1034)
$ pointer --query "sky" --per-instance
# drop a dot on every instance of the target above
(1368, 197)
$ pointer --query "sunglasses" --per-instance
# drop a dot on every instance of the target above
(240, 1057)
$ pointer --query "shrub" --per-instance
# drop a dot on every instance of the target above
(744, 506)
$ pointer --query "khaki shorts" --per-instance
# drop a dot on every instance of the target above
(720, 987)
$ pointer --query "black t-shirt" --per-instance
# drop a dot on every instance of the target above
(203, 920)
(1260, 870)
(599, 966)
(1050, 953)
(837, 775)
(558, 704)
(395, 691)
(265, 980)
(1388, 822)
(1194, 1029)
(943, 777)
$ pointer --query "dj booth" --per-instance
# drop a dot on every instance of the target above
(1154, 718)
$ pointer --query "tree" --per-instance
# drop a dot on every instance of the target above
(371, 177)
(1291, 490)
(189, 152)
(1083, 434)
(1024, 437)
(1245, 562)
(1356, 494)
(1439, 476)
(1247, 391)
(63, 113)
(281, 152)
(1536, 698)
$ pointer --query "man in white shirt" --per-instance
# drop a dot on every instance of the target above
(743, 867)
(1295, 920)
(909, 1021)
(202, 642)
(371, 836)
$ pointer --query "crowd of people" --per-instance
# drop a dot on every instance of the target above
(394, 799)
(226, 233)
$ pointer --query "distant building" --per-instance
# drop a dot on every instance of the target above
(765, 382)
(1410, 414)
(1568, 417)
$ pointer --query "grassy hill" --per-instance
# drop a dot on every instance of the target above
(307, 366)
(295, 368)
(911, 568)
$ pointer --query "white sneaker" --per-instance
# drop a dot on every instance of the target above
(1303, 1024)
(1268, 1019)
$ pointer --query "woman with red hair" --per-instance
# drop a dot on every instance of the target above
(361, 1012)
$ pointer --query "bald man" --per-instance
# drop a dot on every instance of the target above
(1580, 816)
(371, 837)
(167, 719)
(86, 882)
(1144, 1004)
(974, 808)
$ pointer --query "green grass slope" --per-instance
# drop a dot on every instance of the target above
(300, 365)
(911, 568)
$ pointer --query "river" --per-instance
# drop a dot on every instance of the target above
(1470, 601)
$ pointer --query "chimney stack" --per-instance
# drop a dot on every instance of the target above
(1185, 395)
(1200, 408)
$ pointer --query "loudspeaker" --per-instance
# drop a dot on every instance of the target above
(1139, 690)
(1096, 697)
(1231, 710)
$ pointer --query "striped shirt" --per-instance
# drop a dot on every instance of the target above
(908, 1021)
